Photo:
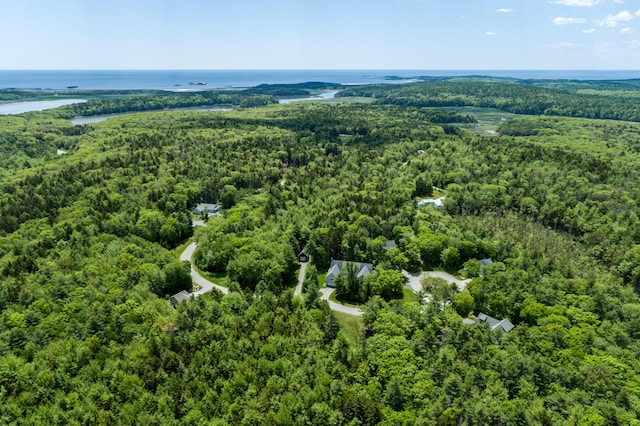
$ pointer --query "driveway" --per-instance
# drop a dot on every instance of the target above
(462, 284)
(413, 279)
(326, 293)
(303, 269)
(205, 285)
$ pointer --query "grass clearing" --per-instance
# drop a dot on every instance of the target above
(334, 299)
(488, 119)
(408, 296)
(353, 327)
(220, 279)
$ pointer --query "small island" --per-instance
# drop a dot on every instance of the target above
(198, 83)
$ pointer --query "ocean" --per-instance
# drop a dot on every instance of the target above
(220, 79)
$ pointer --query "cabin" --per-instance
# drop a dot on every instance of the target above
(211, 208)
(177, 298)
(504, 324)
(362, 270)
(303, 257)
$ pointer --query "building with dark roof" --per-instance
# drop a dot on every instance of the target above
(362, 270)
(179, 297)
(211, 208)
(303, 256)
(504, 325)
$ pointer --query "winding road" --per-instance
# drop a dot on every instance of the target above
(416, 286)
(327, 292)
(205, 285)
(413, 281)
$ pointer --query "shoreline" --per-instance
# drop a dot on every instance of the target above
(67, 80)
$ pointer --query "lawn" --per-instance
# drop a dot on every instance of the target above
(408, 296)
(352, 305)
(352, 326)
(220, 279)
(488, 118)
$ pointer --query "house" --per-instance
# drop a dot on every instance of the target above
(390, 244)
(179, 297)
(303, 257)
(362, 270)
(483, 264)
(211, 208)
(435, 201)
(504, 325)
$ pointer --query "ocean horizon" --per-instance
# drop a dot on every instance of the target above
(223, 79)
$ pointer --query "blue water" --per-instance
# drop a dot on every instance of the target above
(172, 80)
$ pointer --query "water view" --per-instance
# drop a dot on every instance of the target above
(20, 107)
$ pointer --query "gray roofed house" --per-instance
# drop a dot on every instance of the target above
(390, 244)
(504, 325)
(483, 264)
(362, 270)
(211, 208)
(179, 297)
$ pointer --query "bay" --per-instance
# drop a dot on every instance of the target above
(20, 107)
(221, 79)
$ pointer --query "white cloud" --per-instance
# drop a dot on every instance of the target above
(638, 13)
(579, 3)
(626, 30)
(612, 21)
(490, 33)
(561, 20)
(589, 31)
(503, 10)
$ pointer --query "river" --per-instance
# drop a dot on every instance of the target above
(326, 95)
(98, 118)
(20, 107)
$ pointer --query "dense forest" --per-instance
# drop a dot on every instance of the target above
(562, 99)
(93, 219)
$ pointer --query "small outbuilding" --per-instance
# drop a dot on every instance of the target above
(303, 257)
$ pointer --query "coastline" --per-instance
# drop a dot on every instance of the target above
(62, 80)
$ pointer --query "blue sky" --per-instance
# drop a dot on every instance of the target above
(320, 34)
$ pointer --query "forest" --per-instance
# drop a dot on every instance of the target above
(93, 219)
(600, 101)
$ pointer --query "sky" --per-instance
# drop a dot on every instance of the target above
(320, 34)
